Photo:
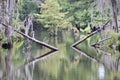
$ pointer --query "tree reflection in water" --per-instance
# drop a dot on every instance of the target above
(101, 72)
(67, 65)
(107, 63)
(6, 66)
(27, 49)
(111, 63)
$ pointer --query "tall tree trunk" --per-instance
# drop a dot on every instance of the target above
(8, 33)
(114, 15)
(8, 20)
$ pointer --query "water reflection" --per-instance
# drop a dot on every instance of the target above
(9, 67)
(116, 78)
(101, 72)
(27, 49)
(67, 64)
(6, 66)
(110, 61)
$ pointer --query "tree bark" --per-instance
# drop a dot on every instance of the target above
(114, 15)
(8, 20)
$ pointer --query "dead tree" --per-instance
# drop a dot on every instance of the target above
(29, 25)
(114, 14)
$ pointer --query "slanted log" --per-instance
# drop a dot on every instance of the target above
(89, 35)
(33, 39)
(74, 46)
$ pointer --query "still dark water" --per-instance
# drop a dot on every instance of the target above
(66, 64)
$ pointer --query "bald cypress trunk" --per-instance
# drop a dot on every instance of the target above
(114, 15)
(10, 5)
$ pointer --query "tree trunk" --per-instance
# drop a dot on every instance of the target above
(8, 20)
(8, 33)
(114, 15)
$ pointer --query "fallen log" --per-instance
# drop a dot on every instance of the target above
(91, 34)
(33, 39)
(84, 38)
(74, 45)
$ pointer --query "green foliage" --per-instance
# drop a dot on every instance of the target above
(118, 43)
(5, 40)
(113, 42)
(97, 18)
(77, 11)
(51, 16)
(114, 36)
(17, 58)
(25, 7)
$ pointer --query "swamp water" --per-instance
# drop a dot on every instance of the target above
(65, 64)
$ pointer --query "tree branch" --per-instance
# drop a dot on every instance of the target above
(98, 42)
